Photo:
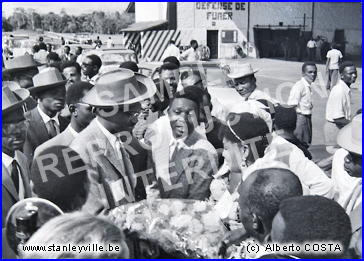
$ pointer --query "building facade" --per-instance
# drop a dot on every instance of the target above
(258, 28)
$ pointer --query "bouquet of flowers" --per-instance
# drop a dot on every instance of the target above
(191, 227)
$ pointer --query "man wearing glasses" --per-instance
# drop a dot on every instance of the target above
(245, 83)
(90, 68)
(81, 116)
(112, 155)
(15, 174)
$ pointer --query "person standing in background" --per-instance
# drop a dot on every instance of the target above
(334, 57)
(171, 50)
(311, 46)
(320, 45)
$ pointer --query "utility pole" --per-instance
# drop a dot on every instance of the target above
(304, 20)
(313, 13)
(247, 30)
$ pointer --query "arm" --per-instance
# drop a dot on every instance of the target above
(184, 55)
(294, 95)
(327, 64)
(338, 109)
(341, 121)
(310, 175)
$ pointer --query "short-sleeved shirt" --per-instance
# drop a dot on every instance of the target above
(190, 55)
(334, 56)
(311, 44)
(301, 96)
(338, 104)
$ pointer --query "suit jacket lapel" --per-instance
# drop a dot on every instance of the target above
(8, 183)
(180, 160)
(109, 151)
(39, 126)
(23, 163)
(63, 123)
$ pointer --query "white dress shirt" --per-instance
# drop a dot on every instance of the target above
(301, 96)
(338, 105)
(46, 118)
(7, 160)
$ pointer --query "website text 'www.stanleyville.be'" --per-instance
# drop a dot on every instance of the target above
(72, 248)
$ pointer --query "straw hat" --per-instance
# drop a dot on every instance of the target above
(350, 138)
(46, 79)
(241, 70)
(120, 87)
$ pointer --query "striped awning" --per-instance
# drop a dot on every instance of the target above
(144, 26)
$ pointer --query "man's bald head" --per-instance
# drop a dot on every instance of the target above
(260, 196)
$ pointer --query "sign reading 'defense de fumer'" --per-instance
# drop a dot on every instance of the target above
(220, 10)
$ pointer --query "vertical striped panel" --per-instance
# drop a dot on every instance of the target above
(156, 42)
(133, 38)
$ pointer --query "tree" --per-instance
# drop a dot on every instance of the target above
(33, 18)
(6, 26)
(49, 22)
(19, 19)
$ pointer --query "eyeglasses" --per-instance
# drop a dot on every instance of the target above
(85, 104)
(9, 128)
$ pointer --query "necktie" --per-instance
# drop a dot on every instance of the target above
(51, 128)
(15, 174)
(176, 149)
(128, 166)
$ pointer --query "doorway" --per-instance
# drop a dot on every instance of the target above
(213, 43)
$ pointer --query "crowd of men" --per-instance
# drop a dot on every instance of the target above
(91, 142)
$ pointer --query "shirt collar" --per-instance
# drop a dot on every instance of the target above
(46, 118)
(72, 130)
(175, 141)
(7, 160)
(305, 82)
(111, 138)
(344, 84)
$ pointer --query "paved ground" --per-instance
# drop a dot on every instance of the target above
(278, 76)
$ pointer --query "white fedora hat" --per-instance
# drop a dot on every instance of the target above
(120, 87)
(350, 137)
(241, 70)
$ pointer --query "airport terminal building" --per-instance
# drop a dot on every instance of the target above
(258, 28)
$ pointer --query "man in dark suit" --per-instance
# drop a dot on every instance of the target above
(185, 161)
(21, 69)
(67, 55)
(112, 155)
(81, 116)
(15, 172)
(45, 122)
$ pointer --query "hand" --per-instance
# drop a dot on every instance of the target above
(233, 237)
(148, 250)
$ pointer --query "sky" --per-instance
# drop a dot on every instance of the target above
(72, 8)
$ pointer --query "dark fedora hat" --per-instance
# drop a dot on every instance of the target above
(46, 79)
(120, 87)
(20, 63)
(13, 99)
